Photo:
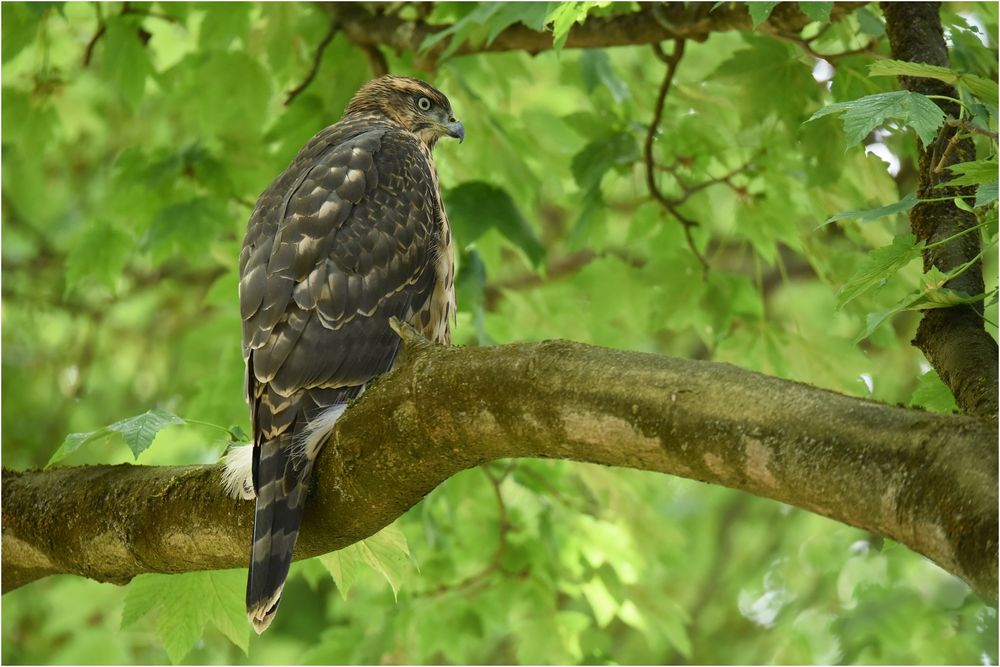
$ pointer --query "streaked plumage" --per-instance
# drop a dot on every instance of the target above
(351, 234)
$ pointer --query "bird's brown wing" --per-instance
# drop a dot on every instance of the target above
(339, 243)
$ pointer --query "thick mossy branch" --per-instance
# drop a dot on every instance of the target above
(953, 339)
(653, 23)
(926, 480)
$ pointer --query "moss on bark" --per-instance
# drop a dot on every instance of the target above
(926, 480)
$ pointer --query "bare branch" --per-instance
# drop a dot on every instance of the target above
(654, 126)
(317, 59)
(926, 480)
(971, 127)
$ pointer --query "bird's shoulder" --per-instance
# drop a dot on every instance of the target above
(345, 230)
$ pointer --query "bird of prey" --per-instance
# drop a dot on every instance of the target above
(351, 234)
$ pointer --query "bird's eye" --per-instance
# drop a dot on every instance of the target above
(424, 104)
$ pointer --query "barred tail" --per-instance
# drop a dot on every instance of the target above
(281, 492)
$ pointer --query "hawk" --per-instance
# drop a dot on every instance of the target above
(351, 234)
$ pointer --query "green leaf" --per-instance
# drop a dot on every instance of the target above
(880, 265)
(222, 93)
(817, 11)
(961, 205)
(462, 30)
(99, 254)
(596, 69)
(759, 11)
(869, 23)
(138, 433)
(223, 22)
(345, 566)
(905, 68)
(600, 155)
(20, 23)
(986, 194)
(603, 604)
(863, 115)
(772, 79)
(474, 207)
(973, 173)
(125, 62)
(984, 89)
(386, 552)
(486, 22)
(904, 204)
(931, 294)
(237, 434)
(183, 229)
(531, 14)
(565, 16)
(944, 297)
(470, 288)
(851, 80)
(184, 604)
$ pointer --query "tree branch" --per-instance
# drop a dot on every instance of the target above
(953, 339)
(655, 22)
(671, 61)
(926, 480)
(331, 32)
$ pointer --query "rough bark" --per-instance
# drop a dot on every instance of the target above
(953, 339)
(926, 480)
(655, 22)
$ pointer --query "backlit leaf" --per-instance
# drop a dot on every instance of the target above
(566, 15)
(137, 432)
(880, 265)
(386, 552)
(904, 204)
(862, 116)
(184, 605)
(933, 394)
(984, 89)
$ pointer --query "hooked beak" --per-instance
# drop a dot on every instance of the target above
(455, 129)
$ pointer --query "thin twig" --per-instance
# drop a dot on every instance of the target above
(101, 29)
(806, 45)
(376, 59)
(494, 564)
(725, 179)
(948, 150)
(317, 58)
(971, 127)
(671, 61)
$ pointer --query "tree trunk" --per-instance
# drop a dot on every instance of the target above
(953, 339)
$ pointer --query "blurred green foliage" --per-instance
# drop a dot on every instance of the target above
(136, 138)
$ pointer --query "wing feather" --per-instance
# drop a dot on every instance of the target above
(341, 242)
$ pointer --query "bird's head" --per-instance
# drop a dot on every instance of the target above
(414, 104)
